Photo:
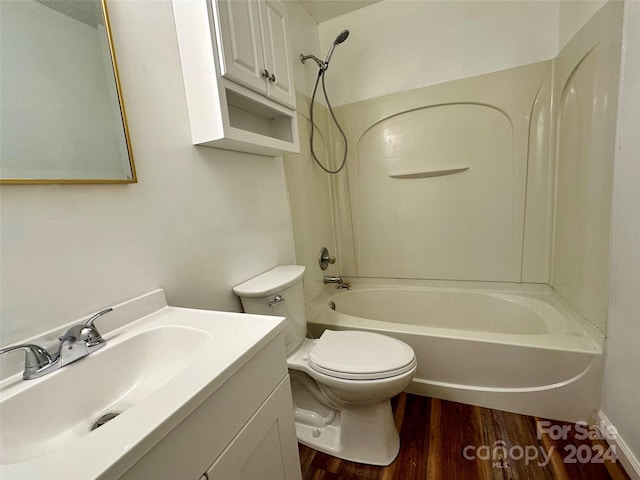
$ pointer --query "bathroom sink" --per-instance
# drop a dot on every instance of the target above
(153, 371)
(65, 404)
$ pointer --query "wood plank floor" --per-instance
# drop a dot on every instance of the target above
(434, 434)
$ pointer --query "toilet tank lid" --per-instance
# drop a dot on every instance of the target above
(268, 283)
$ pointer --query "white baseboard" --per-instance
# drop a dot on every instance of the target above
(626, 457)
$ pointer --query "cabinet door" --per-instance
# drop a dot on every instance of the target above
(239, 38)
(277, 60)
(266, 448)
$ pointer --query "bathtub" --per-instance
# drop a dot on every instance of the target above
(518, 348)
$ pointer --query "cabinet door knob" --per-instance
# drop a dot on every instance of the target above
(272, 78)
(265, 73)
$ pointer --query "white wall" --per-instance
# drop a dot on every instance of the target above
(199, 221)
(573, 14)
(303, 39)
(621, 381)
(398, 45)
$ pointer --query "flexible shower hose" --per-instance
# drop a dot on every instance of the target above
(344, 137)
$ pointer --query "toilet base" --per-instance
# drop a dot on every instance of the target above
(364, 434)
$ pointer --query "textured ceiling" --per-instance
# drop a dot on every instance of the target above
(323, 10)
(85, 11)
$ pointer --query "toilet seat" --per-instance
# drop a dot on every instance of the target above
(354, 355)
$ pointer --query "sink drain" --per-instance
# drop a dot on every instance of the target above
(107, 417)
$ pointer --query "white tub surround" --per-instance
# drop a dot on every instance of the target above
(419, 203)
(587, 74)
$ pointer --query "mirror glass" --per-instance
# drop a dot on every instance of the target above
(62, 116)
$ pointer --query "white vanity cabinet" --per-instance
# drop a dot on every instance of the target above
(257, 451)
(243, 431)
(238, 75)
(253, 49)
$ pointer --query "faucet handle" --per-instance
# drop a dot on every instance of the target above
(324, 259)
(81, 335)
(86, 333)
(35, 358)
(90, 333)
(90, 336)
(99, 314)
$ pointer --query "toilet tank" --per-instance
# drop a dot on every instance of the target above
(278, 292)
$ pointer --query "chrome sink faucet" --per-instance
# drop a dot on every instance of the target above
(36, 359)
(331, 279)
(79, 341)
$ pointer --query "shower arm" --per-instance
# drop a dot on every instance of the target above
(321, 64)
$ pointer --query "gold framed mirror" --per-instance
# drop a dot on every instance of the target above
(62, 114)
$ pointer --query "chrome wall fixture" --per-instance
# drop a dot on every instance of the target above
(324, 259)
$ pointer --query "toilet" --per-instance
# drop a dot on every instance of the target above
(342, 382)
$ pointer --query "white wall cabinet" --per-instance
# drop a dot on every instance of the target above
(253, 47)
(237, 75)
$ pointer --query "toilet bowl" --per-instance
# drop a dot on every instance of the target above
(342, 382)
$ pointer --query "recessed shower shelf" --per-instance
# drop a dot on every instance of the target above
(436, 172)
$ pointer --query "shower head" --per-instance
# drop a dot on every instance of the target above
(342, 36)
